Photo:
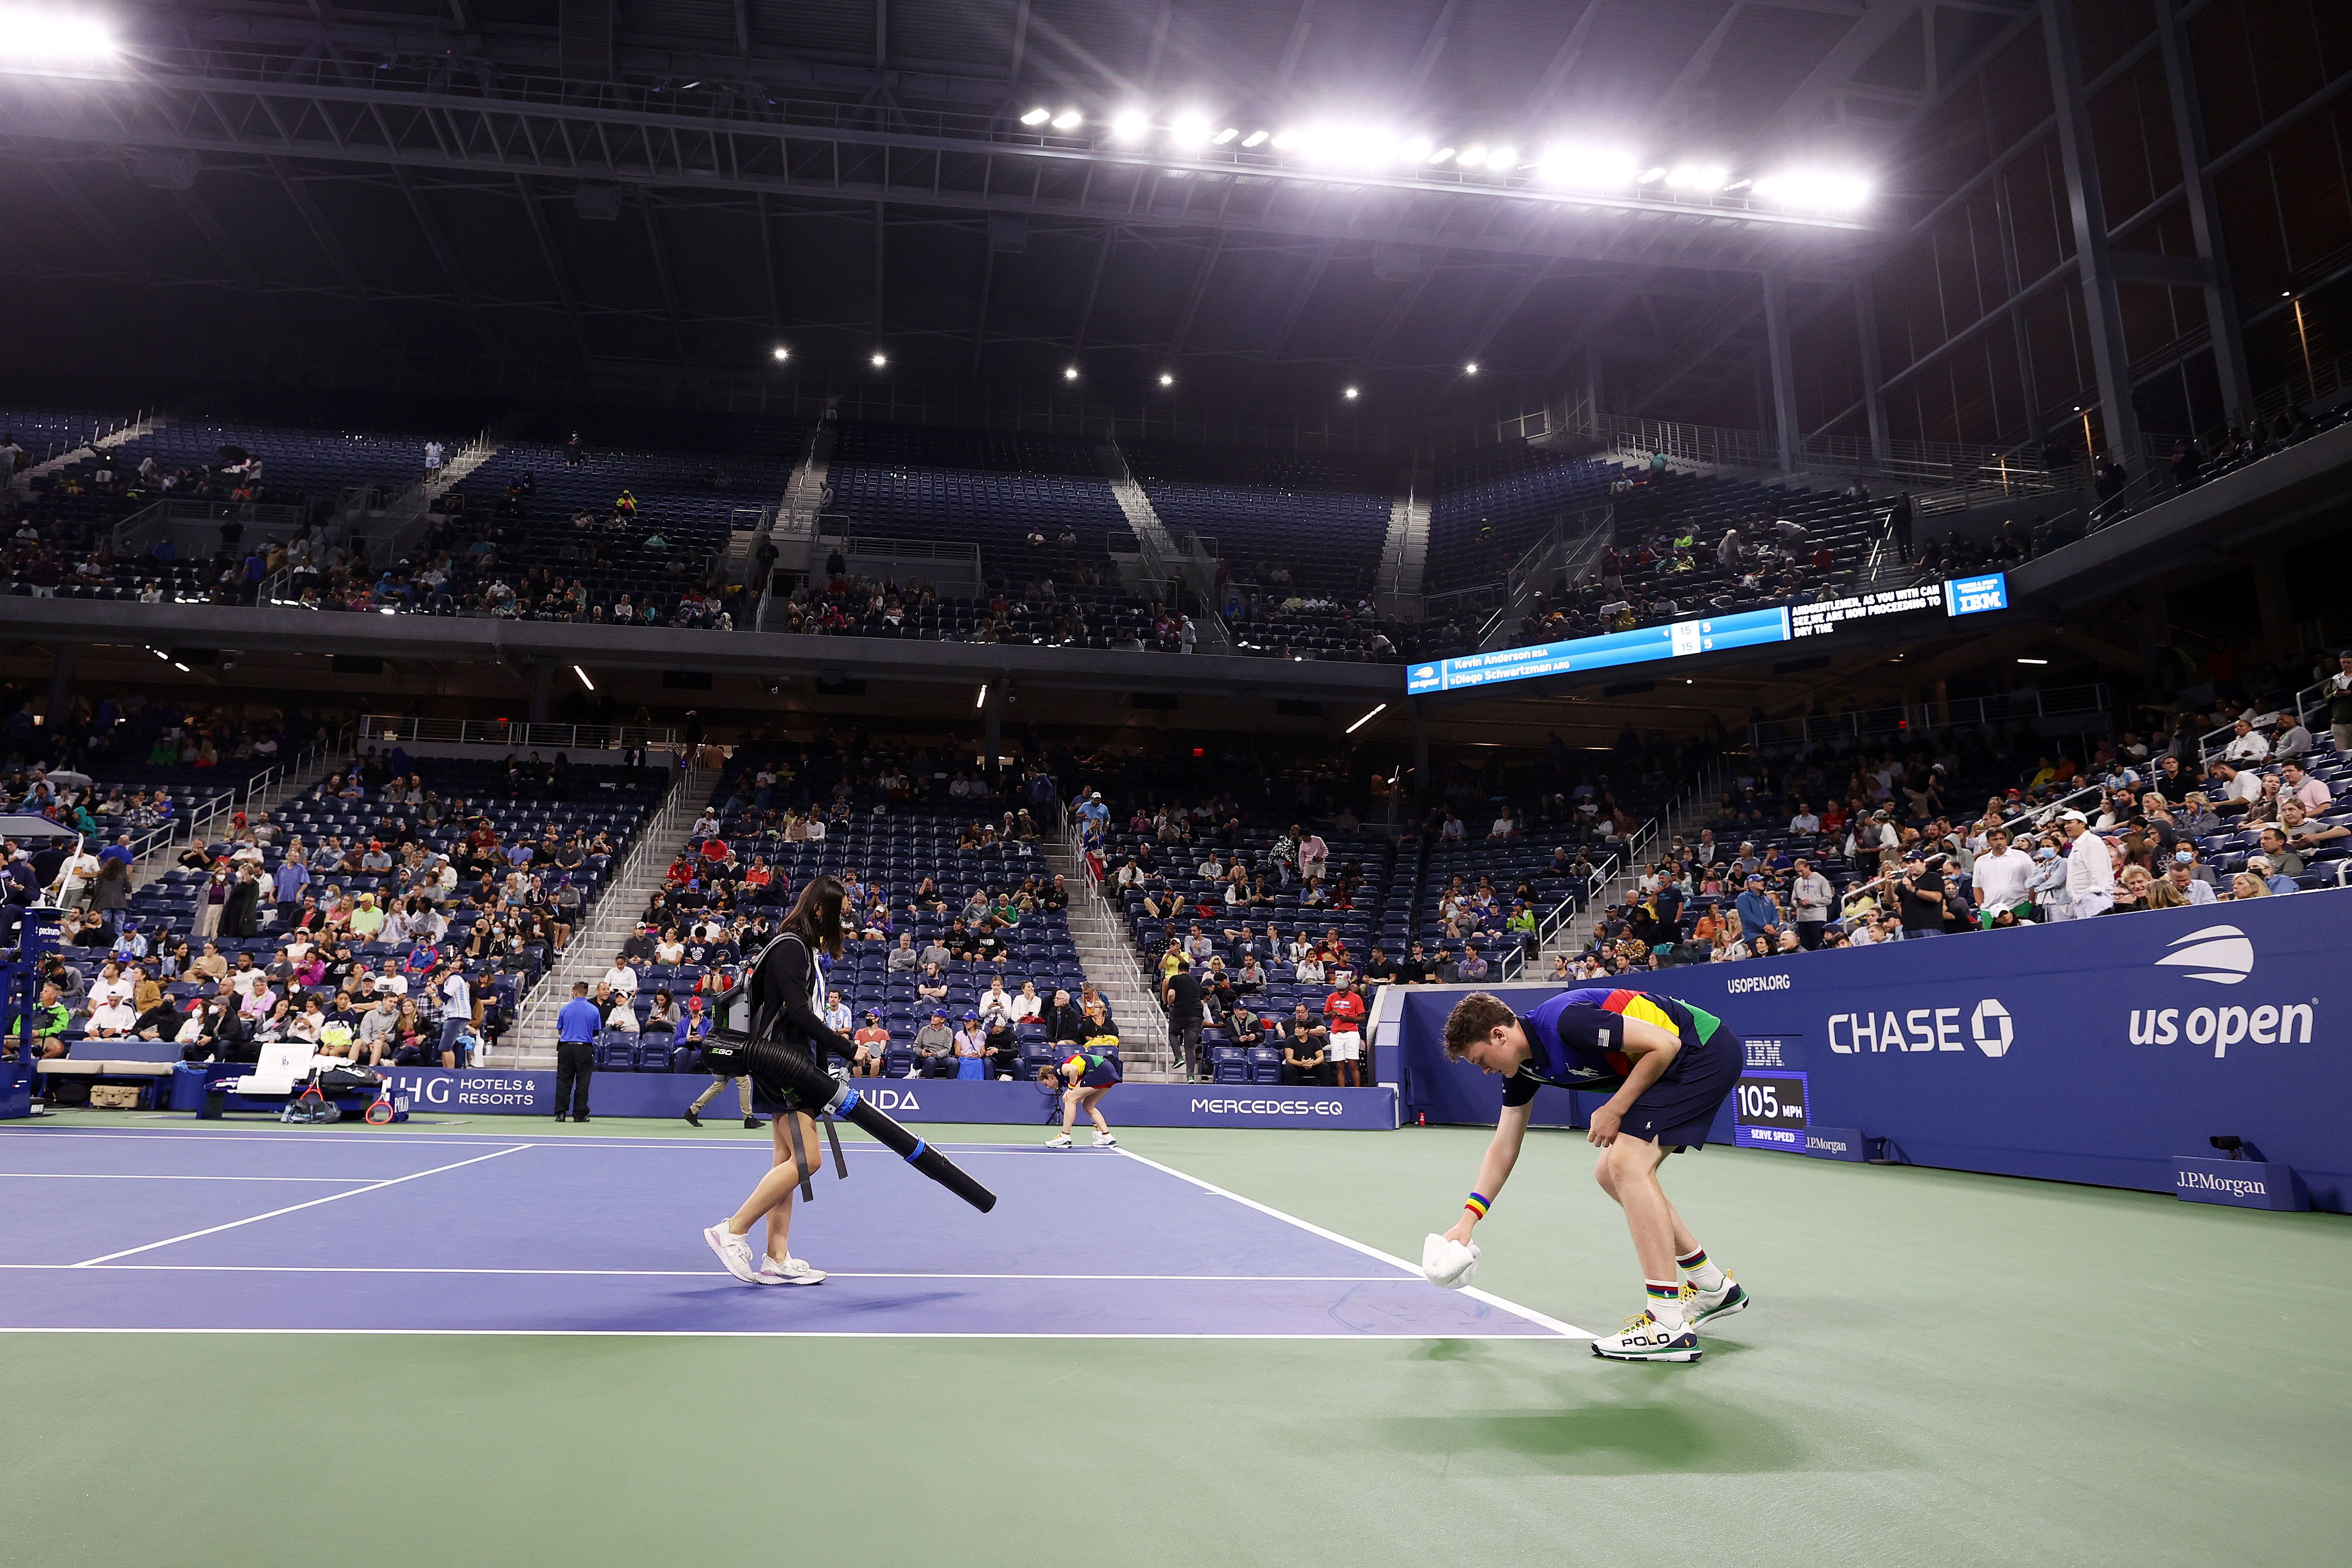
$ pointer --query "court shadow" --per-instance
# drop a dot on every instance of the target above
(1611, 1439)
(1448, 1350)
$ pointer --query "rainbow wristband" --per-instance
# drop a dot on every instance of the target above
(1477, 1203)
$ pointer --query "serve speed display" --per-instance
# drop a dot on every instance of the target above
(1769, 1111)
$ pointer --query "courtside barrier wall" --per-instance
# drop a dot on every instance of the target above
(436, 1091)
(2086, 1051)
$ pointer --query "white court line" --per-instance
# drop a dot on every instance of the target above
(1529, 1314)
(314, 1202)
(717, 1273)
(1061, 1335)
(117, 1176)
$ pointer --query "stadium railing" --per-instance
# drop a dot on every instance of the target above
(1911, 719)
(2307, 701)
(379, 728)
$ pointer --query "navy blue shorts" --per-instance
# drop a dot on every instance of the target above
(1677, 1114)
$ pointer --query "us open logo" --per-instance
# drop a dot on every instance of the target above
(2221, 954)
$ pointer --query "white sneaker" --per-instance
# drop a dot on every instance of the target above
(733, 1251)
(1059, 1141)
(1646, 1339)
(790, 1271)
(1703, 1306)
(1104, 1140)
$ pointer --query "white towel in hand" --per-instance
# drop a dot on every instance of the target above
(1450, 1264)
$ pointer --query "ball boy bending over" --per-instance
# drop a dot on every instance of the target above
(1671, 1065)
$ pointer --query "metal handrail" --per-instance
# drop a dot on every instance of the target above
(2214, 742)
(384, 727)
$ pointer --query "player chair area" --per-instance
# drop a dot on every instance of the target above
(414, 1230)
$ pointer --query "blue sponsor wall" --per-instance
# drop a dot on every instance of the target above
(489, 1091)
(2088, 1051)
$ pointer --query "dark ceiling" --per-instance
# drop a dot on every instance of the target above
(170, 223)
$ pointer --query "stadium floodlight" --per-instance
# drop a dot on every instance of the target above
(880, 360)
(1166, 379)
(1417, 149)
(1652, 177)
(1818, 189)
(51, 37)
(1227, 134)
(1473, 156)
(1588, 168)
(1285, 139)
(1189, 130)
(781, 353)
(1502, 160)
(1255, 137)
(1442, 155)
(1470, 369)
(1069, 373)
(1350, 395)
(1130, 125)
(1068, 119)
(583, 677)
(1038, 116)
(1701, 179)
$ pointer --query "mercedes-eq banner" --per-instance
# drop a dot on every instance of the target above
(2088, 1051)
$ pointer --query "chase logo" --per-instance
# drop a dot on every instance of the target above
(2222, 954)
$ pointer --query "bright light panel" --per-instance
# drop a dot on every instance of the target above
(782, 353)
(1130, 125)
(1473, 156)
(1815, 188)
(1350, 395)
(878, 361)
(1254, 139)
(1703, 179)
(1167, 380)
(1227, 134)
(1068, 119)
(1581, 167)
(1504, 159)
(1038, 116)
(1069, 373)
(51, 37)
(1189, 130)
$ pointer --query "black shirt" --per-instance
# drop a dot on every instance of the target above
(1185, 998)
(1918, 913)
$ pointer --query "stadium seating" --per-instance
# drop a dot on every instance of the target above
(1319, 520)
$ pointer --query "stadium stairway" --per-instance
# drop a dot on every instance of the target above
(1108, 955)
(1161, 556)
(1404, 553)
(1685, 815)
(128, 434)
(530, 1044)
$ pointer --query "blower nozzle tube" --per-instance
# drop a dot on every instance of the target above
(788, 1068)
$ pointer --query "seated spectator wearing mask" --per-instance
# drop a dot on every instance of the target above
(2181, 873)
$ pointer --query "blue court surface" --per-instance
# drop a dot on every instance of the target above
(419, 1231)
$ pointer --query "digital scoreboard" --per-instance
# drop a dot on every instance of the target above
(1706, 634)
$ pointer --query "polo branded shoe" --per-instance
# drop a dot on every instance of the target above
(789, 1271)
(1646, 1339)
(1706, 1306)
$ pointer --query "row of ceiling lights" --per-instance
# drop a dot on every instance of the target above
(881, 360)
(1567, 165)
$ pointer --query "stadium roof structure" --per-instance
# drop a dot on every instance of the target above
(1261, 203)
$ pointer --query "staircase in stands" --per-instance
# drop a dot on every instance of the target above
(1689, 812)
(532, 1042)
(1108, 955)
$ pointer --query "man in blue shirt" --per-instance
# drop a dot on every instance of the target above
(1759, 913)
(291, 877)
(576, 1029)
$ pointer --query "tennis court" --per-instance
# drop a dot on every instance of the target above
(1940, 1368)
